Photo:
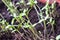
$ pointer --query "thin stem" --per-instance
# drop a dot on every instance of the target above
(45, 31)
(37, 12)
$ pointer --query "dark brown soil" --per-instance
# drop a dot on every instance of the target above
(33, 19)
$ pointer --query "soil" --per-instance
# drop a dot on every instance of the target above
(32, 16)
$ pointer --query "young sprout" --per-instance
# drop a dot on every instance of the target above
(32, 2)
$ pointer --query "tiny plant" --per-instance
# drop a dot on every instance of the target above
(23, 23)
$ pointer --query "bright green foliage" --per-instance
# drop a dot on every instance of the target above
(18, 16)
